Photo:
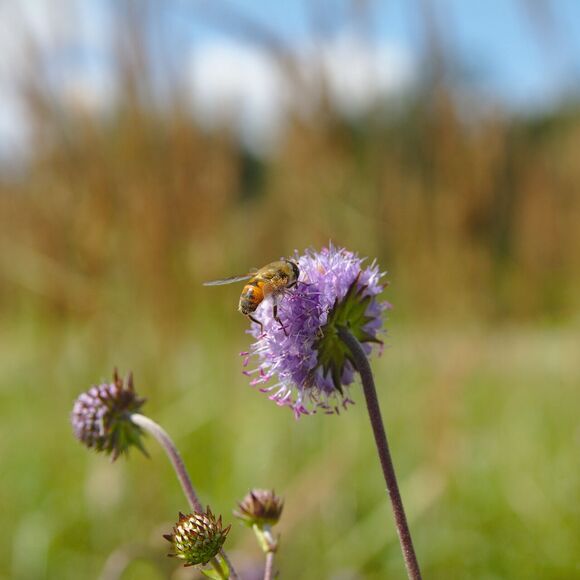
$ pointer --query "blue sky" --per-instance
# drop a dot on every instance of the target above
(521, 54)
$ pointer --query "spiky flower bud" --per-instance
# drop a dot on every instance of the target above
(101, 417)
(260, 507)
(197, 537)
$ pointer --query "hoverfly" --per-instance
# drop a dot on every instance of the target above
(271, 280)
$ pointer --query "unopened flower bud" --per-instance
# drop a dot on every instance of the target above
(260, 507)
(197, 537)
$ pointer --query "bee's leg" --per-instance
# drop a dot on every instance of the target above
(276, 318)
(257, 322)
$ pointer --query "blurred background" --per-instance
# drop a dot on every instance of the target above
(147, 146)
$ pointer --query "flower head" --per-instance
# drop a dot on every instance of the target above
(197, 537)
(101, 417)
(260, 507)
(304, 365)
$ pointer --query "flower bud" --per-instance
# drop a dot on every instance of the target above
(197, 537)
(101, 417)
(260, 507)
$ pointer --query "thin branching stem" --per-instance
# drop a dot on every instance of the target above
(362, 365)
(170, 449)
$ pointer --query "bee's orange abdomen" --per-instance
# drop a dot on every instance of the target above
(252, 296)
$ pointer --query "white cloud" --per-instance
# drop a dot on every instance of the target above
(359, 74)
(239, 83)
(61, 32)
(236, 83)
(230, 82)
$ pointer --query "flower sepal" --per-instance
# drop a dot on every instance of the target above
(349, 312)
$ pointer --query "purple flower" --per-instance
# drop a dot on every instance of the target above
(309, 367)
(101, 417)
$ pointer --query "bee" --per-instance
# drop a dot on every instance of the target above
(271, 280)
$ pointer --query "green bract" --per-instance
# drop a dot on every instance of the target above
(350, 312)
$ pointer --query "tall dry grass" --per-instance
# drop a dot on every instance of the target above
(106, 235)
(474, 218)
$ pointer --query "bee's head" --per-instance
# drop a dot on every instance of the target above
(295, 269)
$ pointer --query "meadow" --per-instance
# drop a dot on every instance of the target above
(108, 232)
(483, 426)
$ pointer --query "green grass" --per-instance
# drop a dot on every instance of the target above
(483, 427)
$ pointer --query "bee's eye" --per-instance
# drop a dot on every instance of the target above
(295, 269)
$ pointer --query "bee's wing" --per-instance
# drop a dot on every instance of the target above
(230, 280)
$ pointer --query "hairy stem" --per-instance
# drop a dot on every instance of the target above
(362, 365)
(170, 449)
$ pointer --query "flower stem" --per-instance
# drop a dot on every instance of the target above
(269, 545)
(364, 369)
(165, 441)
(269, 569)
(217, 567)
(181, 471)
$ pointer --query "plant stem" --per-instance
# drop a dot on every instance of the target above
(165, 441)
(362, 365)
(269, 569)
(269, 545)
(171, 450)
(217, 567)
(233, 573)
